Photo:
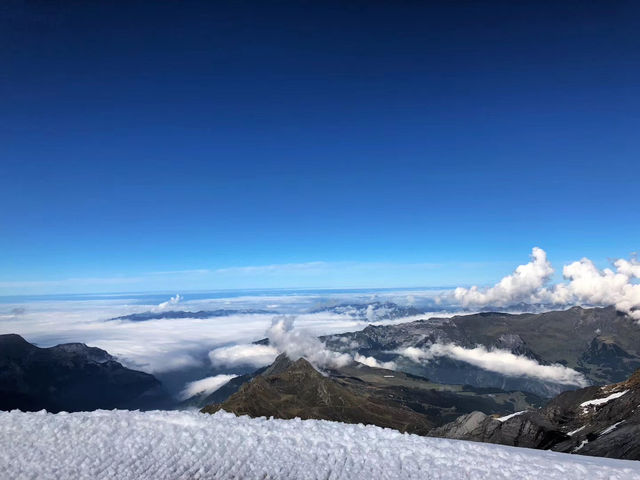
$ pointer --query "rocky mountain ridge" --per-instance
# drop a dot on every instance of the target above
(600, 421)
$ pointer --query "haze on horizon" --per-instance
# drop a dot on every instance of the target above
(194, 145)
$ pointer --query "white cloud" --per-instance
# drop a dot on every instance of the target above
(499, 361)
(521, 286)
(205, 386)
(283, 338)
(588, 284)
(585, 283)
(298, 343)
(373, 362)
(173, 301)
(243, 355)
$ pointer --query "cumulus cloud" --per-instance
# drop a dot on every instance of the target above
(588, 284)
(283, 338)
(584, 283)
(243, 355)
(171, 302)
(373, 362)
(521, 286)
(298, 343)
(205, 386)
(499, 361)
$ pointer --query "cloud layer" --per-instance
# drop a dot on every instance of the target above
(373, 362)
(250, 355)
(499, 361)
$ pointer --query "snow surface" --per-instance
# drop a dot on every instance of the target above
(160, 445)
(602, 401)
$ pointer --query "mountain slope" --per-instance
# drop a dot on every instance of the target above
(601, 343)
(70, 377)
(358, 393)
(296, 389)
(601, 421)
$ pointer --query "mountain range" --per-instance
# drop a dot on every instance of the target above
(202, 314)
(600, 343)
(600, 421)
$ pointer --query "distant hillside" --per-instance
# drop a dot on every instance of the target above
(144, 316)
(600, 343)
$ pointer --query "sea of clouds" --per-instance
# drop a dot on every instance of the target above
(292, 321)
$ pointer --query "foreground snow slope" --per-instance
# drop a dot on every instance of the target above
(188, 445)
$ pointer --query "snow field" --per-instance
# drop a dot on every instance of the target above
(162, 445)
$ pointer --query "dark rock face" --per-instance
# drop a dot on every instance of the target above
(359, 394)
(70, 377)
(599, 421)
(601, 343)
(530, 430)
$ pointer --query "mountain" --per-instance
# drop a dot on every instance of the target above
(70, 377)
(201, 314)
(372, 311)
(600, 421)
(361, 394)
(600, 343)
(296, 389)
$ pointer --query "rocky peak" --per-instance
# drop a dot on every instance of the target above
(12, 345)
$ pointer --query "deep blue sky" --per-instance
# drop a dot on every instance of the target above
(140, 137)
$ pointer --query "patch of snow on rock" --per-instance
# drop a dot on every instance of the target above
(611, 428)
(601, 401)
(573, 432)
(507, 417)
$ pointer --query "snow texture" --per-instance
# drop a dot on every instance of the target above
(162, 445)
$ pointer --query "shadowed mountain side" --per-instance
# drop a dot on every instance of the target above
(71, 377)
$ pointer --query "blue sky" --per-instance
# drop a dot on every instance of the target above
(339, 144)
